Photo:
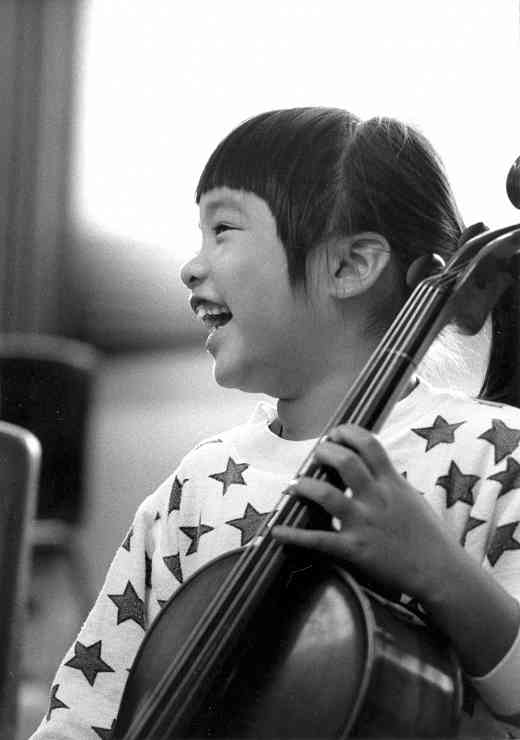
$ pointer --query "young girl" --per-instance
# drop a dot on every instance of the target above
(310, 219)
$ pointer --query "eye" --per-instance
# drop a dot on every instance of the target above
(220, 228)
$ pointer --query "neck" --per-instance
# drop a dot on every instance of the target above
(305, 416)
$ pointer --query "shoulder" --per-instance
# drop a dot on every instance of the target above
(228, 442)
(440, 423)
(430, 401)
(211, 454)
(475, 411)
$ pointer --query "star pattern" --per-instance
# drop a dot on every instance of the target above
(502, 540)
(88, 661)
(174, 503)
(128, 539)
(509, 478)
(471, 524)
(231, 475)
(129, 606)
(458, 486)
(195, 533)
(249, 523)
(54, 702)
(173, 563)
(242, 508)
(440, 433)
(503, 438)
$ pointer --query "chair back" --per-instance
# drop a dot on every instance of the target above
(19, 468)
(46, 386)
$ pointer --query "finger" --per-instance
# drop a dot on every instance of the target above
(328, 543)
(351, 468)
(335, 502)
(365, 444)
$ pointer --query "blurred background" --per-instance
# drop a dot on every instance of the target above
(109, 110)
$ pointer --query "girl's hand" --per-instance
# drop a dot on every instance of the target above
(387, 531)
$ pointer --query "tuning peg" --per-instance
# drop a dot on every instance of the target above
(513, 183)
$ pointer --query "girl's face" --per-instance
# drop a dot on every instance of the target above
(264, 335)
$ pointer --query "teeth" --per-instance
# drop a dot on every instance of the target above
(208, 313)
(203, 311)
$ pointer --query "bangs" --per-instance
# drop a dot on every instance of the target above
(292, 159)
(287, 157)
(246, 160)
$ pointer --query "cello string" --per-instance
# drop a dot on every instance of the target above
(251, 590)
(445, 279)
(243, 599)
(207, 656)
(188, 685)
(238, 616)
(396, 353)
(389, 361)
(373, 392)
(376, 380)
(196, 638)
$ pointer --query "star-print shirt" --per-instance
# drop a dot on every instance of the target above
(462, 455)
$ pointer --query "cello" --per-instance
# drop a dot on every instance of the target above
(287, 645)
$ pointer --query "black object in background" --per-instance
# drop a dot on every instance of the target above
(46, 386)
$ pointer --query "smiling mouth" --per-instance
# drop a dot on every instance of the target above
(213, 317)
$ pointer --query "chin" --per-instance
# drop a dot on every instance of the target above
(239, 378)
(226, 376)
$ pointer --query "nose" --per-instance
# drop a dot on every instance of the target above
(194, 271)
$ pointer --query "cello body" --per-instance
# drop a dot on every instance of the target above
(267, 644)
(322, 658)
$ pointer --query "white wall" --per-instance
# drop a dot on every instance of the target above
(161, 82)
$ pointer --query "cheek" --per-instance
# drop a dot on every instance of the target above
(278, 334)
(265, 300)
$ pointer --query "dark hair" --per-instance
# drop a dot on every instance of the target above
(325, 173)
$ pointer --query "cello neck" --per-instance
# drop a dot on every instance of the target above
(226, 618)
(371, 397)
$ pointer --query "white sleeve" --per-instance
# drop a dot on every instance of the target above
(87, 689)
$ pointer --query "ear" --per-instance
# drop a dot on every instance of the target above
(356, 263)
